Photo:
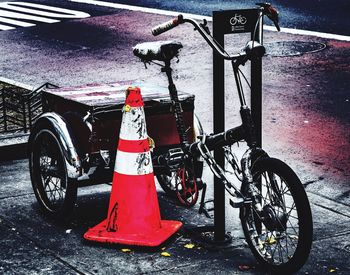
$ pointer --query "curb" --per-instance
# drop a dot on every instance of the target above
(13, 147)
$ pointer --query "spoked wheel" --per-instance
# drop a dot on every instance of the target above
(55, 192)
(168, 182)
(186, 188)
(179, 185)
(280, 235)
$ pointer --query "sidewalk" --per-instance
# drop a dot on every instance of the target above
(31, 244)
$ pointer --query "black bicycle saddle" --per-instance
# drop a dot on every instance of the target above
(158, 50)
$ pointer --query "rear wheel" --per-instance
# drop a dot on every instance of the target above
(280, 234)
(186, 188)
(55, 192)
(179, 184)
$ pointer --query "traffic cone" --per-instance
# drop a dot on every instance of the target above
(133, 214)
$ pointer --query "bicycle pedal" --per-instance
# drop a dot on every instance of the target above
(237, 202)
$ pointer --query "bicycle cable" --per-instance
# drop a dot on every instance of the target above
(256, 27)
(245, 78)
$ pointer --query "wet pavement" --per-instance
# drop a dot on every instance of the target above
(306, 123)
(32, 244)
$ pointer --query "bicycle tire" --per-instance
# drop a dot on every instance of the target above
(168, 182)
(265, 238)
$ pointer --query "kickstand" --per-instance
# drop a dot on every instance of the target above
(202, 208)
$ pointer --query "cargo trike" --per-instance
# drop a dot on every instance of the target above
(74, 142)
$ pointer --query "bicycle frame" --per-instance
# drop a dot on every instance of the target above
(243, 132)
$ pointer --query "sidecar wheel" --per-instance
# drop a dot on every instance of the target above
(54, 191)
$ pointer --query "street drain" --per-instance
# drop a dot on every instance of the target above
(292, 48)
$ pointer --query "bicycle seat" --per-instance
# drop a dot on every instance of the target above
(158, 50)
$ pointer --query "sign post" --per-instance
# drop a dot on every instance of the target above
(228, 22)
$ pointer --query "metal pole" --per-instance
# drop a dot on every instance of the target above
(256, 84)
(219, 126)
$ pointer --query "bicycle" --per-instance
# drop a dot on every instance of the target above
(238, 19)
(274, 208)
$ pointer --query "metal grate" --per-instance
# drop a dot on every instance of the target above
(19, 108)
(292, 48)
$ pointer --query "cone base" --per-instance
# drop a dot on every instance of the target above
(155, 238)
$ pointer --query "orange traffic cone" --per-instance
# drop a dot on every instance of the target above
(133, 214)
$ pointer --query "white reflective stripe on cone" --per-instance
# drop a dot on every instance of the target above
(133, 163)
(133, 124)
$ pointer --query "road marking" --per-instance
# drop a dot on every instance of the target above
(14, 22)
(5, 28)
(16, 13)
(143, 9)
(38, 10)
(199, 17)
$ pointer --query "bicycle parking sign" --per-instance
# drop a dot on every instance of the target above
(238, 21)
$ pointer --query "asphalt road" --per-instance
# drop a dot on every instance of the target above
(314, 15)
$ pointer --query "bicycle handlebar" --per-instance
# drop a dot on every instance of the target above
(271, 12)
(208, 38)
(267, 9)
(167, 25)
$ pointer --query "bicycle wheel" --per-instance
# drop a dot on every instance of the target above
(280, 235)
(54, 191)
(168, 181)
(179, 185)
(186, 188)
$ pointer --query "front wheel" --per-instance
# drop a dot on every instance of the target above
(280, 232)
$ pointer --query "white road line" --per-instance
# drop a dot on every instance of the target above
(13, 12)
(15, 22)
(34, 9)
(199, 17)
(17, 15)
(5, 28)
(143, 9)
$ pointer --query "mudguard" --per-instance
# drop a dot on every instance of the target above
(60, 127)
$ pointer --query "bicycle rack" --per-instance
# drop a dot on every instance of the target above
(231, 22)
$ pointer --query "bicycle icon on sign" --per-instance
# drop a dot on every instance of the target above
(240, 19)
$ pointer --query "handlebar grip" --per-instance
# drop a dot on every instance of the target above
(167, 25)
(273, 15)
